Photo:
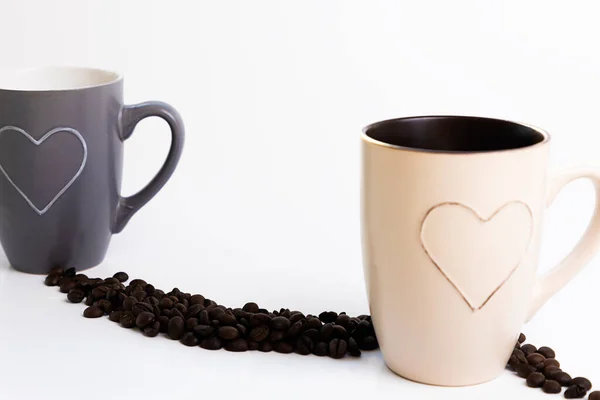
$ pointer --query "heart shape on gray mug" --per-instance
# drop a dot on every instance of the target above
(37, 143)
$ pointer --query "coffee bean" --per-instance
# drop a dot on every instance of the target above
(138, 282)
(265, 346)
(127, 319)
(250, 307)
(353, 349)
(174, 299)
(211, 343)
(551, 387)
(176, 327)
(144, 319)
(546, 352)
(327, 330)
(342, 320)
(283, 347)
(313, 323)
(76, 295)
(89, 301)
(197, 299)
(340, 332)
(228, 333)
(215, 323)
(337, 348)
(535, 380)
(105, 305)
(194, 310)
(242, 329)
(56, 271)
(111, 281)
(176, 313)
(312, 333)
(252, 345)
(189, 339)
(321, 349)
(164, 323)
(524, 370)
(295, 317)
(52, 280)
(215, 312)
(594, 395)
(93, 312)
(66, 284)
(281, 323)
(152, 330)
(549, 372)
(259, 333)
(563, 378)
(522, 338)
(121, 276)
(203, 318)
(575, 392)
(99, 292)
(512, 361)
(181, 308)
(582, 382)
(260, 319)
(363, 329)
(115, 316)
(296, 328)
(304, 345)
(328, 316)
(520, 356)
(204, 330)
(535, 358)
(141, 307)
(236, 345)
(551, 362)
(368, 343)
(190, 324)
(528, 349)
(69, 272)
(276, 336)
(227, 319)
(128, 303)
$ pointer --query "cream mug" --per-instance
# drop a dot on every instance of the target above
(452, 211)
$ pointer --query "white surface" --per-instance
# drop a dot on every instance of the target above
(264, 205)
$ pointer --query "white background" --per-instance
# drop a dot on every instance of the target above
(265, 203)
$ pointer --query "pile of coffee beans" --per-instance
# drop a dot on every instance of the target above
(195, 320)
(540, 369)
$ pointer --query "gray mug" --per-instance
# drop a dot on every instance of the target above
(61, 159)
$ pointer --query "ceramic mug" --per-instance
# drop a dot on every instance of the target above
(61, 159)
(452, 211)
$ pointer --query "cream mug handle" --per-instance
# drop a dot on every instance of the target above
(551, 282)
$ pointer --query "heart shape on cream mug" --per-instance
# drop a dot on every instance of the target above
(448, 234)
(37, 143)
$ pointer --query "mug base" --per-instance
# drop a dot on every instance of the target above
(44, 271)
(441, 382)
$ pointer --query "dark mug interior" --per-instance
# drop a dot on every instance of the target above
(454, 134)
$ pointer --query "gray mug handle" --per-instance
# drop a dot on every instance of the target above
(129, 118)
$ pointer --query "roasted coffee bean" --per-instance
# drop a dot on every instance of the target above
(211, 343)
(127, 319)
(594, 395)
(363, 329)
(66, 285)
(536, 380)
(520, 356)
(105, 305)
(327, 330)
(281, 323)
(551, 362)
(265, 346)
(99, 292)
(295, 317)
(176, 313)
(242, 329)
(153, 301)
(56, 271)
(296, 328)
(174, 299)
(121, 276)
(312, 333)
(144, 319)
(563, 378)
(52, 280)
(204, 330)
(276, 336)
(535, 358)
(337, 348)
(285, 312)
(547, 352)
(89, 301)
(215, 323)
(368, 343)
(138, 282)
(189, 339)
(260, 319)
(517, 345)
(194, 310)
(149, 289)
(141, 307)
(522, 338)
(227, 319)
(215, 313)
(228, 333)
(321, 349)
(203, 318)
(575, 392)
(582, 382)
(340, 332)
(512, 361)
(342, 320)
(551, 387)
(176, 327)
(197, 299)
(164, 323)
(328, 316)
(181, 308)
(528, 349)
(69, 272)
(250, 307)
(139, 295)
(111, 281)
(304, 345)
(191, 323)
(259, 333)
(283, 347)
(128, 303)
(549, 372)
(152, 330)
(313, 323)
(252, 345)
(165, 303)
(524, 370)
(76, 295)
(93, 312)
(237, 345)
(115, 316)
(353, 349)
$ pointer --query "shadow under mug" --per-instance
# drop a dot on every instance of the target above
(452, 211)
(61, 158)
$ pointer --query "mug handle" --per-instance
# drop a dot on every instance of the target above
(554, 280)
(130, 116)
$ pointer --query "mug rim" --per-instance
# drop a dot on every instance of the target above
(97, 77)
(367, 138)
